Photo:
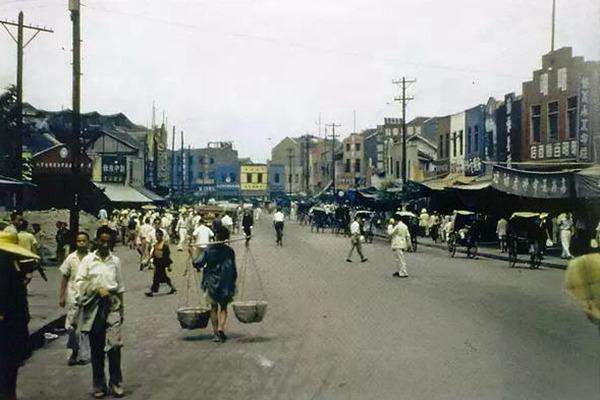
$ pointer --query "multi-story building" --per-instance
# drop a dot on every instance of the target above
(254, 180)
(561, 109)
(353, 174)
(509, 125)
(276, 174)
(475, 149)
(294, 154)
(442, 164)
(457, 142)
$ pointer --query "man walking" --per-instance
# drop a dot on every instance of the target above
(100, 291)
(501, 231)
(247, 223)
(565, 224)
(278, 219)
(68, 298)
(400, 240)
(203, 235)
(355, 241)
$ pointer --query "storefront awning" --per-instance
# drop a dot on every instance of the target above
(118, 193)
(587, 183)
(537, 185)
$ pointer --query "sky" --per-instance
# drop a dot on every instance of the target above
(254, 72)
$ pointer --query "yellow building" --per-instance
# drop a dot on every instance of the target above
(254, 179)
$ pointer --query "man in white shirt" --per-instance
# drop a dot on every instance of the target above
(100, 291)
(202, 237)
(227, 222)
(355, 241)
(278, 219)
(102, 214)
(400, 241)
(501, 229)
(181, 231)
(68, 297)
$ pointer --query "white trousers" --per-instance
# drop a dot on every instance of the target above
(182, 238)
(401, 262)
(565, 241)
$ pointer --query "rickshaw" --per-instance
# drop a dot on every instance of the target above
(464, 233)
(412, 222)
(367, 217)
(526, 234)
(319, 219)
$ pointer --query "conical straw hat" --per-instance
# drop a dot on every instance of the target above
(9, 242)
(582, 281)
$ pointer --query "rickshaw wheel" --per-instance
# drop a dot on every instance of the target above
(472, 251)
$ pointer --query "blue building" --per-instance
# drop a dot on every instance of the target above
(227, 180)
(475, 140)
(276, 173)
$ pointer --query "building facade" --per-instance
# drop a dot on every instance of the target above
(353, 174)
(254, 180)
(561, 110)
(474, 140)
(457, 142)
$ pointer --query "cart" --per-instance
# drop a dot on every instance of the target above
(464, 233)
(526, 234)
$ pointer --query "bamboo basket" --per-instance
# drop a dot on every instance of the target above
(249, 312)
(193, 317)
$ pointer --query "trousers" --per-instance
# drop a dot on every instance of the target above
(356, 244)
(9, 368)
(565, 241)
(97, 344)
(400, 262)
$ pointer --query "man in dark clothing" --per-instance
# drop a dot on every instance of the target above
(247, 222)
(14, 313)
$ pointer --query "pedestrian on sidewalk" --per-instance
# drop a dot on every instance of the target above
(218, 281)
(565, 224)
(501, 231)
(278, 219)
(77, 342)
(203, 235)
(14, 313)
(182, 231)
(400, 241)
(356, 240)
(62, 240)
(100, 291)
(161, 258)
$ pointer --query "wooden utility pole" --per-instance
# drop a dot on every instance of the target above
(173, 163)
(307, 163)
(553, 24)
(182, 184)
(291, 170)
(333, 125)
(16, 157)
(75, 144)
(403, 101)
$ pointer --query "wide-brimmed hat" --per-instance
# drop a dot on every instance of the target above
(9, 242)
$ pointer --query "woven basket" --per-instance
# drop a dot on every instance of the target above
(193, 317)
(249, 312)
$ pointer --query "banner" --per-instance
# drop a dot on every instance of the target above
(587, 183)
(540, 185)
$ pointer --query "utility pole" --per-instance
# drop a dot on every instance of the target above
(76, 119)
(291, 170)
(173, 163)
(307, 162)
(333, 125)
(182, 185)
(404, 82)
(16, 167)
(553, 24)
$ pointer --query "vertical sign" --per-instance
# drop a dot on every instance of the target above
(509, 100)
(583, 139)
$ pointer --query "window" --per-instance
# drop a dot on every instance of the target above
(572, 117)
(460, 142)
(277, 178)
(453, 144)
(347, 146)
(447, 145)
(260, 178)
(248, 178)
(357, 146)
(469, 139)
(553, 121)
(490, 142)
(212, 160)
(476, 139)
(441, 147)
(201, 175)
(397, 169)
(357, 165)
(347, 169)
(536, 123)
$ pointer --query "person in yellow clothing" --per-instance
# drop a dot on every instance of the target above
(26, 238)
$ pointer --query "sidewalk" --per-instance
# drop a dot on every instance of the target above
(490, 250)
(45, 313)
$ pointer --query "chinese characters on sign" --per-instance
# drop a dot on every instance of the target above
(583, 137)
(565, 149)
(114, 169)
(531, 184)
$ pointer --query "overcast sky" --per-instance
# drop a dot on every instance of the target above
(248, 71)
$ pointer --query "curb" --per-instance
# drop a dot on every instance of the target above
(36, 338)
(482, 254)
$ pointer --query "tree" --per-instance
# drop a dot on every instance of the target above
(8, 131)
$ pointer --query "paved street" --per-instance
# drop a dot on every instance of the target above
(456, 329)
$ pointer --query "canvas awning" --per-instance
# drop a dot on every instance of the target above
(537, 185)
(118, 193)
(587, 183)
